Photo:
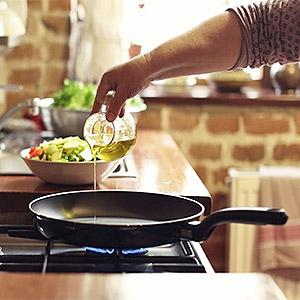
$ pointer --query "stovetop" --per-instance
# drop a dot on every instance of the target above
(30, 255)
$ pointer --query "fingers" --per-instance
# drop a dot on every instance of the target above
(103, 88)
(126, 80)
(122, 112)
(116, 106)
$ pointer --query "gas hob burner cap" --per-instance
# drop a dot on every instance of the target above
(139, 251)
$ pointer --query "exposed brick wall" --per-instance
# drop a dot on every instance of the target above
(215, 138)
(264, 123)
(39, 63)
(220, 123)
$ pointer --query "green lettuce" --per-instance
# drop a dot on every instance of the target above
(75, 95)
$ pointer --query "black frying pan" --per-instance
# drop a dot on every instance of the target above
(132, 219)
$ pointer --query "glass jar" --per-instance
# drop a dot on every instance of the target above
(110, 140)
(285, 78)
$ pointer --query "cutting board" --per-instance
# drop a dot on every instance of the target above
(12, 164)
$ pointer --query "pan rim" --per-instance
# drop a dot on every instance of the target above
(155, 223)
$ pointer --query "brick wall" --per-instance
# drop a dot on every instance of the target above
(215, 138)
(39, 63)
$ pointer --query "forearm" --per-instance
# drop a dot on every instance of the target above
(214, 45)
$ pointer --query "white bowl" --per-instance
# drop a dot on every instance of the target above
(69, 173)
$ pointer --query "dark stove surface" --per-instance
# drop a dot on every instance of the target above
(27, 255)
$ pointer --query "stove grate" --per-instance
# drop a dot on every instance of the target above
(34, 255)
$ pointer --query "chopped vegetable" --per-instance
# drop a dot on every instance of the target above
(36, 152)
(70, 149)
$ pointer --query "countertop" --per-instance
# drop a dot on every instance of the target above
(139, 286)
(160, 167)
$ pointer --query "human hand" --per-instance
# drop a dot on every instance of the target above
(126, 80)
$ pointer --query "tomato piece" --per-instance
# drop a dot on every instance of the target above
(33, 154)
(34, 151)
(40, 152)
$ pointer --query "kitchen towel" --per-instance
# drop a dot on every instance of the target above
(279, 246)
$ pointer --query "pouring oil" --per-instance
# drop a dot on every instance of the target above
(110, 152)
(94, 180)
(109, 141)
(95, 171)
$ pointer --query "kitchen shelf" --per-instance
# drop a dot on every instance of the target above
(204, 95)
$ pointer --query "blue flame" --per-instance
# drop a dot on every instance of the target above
(111, 251)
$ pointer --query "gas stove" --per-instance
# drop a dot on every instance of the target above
(44, 256)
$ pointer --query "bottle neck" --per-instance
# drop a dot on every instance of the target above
(106, 102)
(103, 109)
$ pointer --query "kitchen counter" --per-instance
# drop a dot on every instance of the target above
(160, 167)
(138, 286)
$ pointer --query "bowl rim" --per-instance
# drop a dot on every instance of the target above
(52, 107)
(131, 109)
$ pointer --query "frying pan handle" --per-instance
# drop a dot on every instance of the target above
(256, 216)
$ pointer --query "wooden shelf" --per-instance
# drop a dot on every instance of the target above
(204, 95)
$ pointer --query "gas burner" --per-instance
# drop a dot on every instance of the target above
(24, 249)
(139, 251)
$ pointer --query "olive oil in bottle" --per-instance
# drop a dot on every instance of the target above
(109, 141)
(113, 151)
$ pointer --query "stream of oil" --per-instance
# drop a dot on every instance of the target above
(113, 151)
(95, 183)
(95, 172)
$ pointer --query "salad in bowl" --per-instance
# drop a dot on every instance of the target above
(67, 161)
(69, 149)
